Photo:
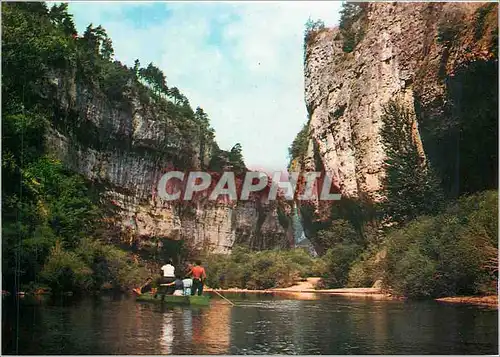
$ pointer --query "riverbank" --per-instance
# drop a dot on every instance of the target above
(308, 287)
(491, 300)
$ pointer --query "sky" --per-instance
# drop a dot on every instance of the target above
(242, 62)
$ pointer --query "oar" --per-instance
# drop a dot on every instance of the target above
(229, 301)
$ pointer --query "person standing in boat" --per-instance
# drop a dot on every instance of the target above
(199, 276)
(168, 276)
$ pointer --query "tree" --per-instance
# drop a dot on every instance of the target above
(298, 149)
(311, 26)
(236, 158)
(175, 94)
(137, 66)
(352, 33)
(205, 132)
(60, 17)
(411, 187)
(155, 78)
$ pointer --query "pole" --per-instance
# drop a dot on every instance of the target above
(224, 297)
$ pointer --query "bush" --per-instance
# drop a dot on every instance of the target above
(364, 271)
(481, 16)
(65, 271)
(454, 253)
(339, 260)
(110, 265)
(311, 29)
(261, 270)
(340, 231)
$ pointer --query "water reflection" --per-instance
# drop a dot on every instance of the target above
(167, 335)
(263, 324)
(187, 320)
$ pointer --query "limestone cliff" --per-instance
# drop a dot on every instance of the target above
(123, 146)
(431, 56)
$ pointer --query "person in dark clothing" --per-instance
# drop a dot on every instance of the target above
(178, 286)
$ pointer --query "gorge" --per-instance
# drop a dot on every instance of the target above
(87, 138)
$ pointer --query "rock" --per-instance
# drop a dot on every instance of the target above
(124, 147)
(398, 57)
(377, 284)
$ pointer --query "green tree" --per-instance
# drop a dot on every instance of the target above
(175, 95)
(137, 66)
(299, 146)
(98, 41)
(205, 133)
(236, 158)
(411, 187)
(61, 18)
(340, 231)
(352, 31)
(155, 78)
(311, 27)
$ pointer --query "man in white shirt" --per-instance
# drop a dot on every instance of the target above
(168, 277)
(168, 270)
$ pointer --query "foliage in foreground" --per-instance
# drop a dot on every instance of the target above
(448, 254)
(453, 253)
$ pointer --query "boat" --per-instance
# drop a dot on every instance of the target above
(203, 300)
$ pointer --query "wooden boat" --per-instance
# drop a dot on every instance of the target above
(203, 300)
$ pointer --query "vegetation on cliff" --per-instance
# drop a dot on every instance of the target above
(352, 24)
(417, 243)
(52, 230)
(312, 28)
(411, 188)
(298, 149)
(430, 235)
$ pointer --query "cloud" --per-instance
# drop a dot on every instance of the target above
(241, 62)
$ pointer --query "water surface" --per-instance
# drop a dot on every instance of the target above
(258, 324)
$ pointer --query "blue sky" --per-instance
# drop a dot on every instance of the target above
(240, 61)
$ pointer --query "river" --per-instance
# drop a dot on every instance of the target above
(258, 324)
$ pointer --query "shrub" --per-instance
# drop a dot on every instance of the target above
(261, 270)
(364, 271)
(481, 15)
(454, 253)
(110, 265)
(65, 271)
(340, 231)
(311, 28)
(339, 260)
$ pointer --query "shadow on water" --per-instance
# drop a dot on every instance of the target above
(257, 324)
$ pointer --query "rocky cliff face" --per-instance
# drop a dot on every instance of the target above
(123, 147)
(411, 51)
